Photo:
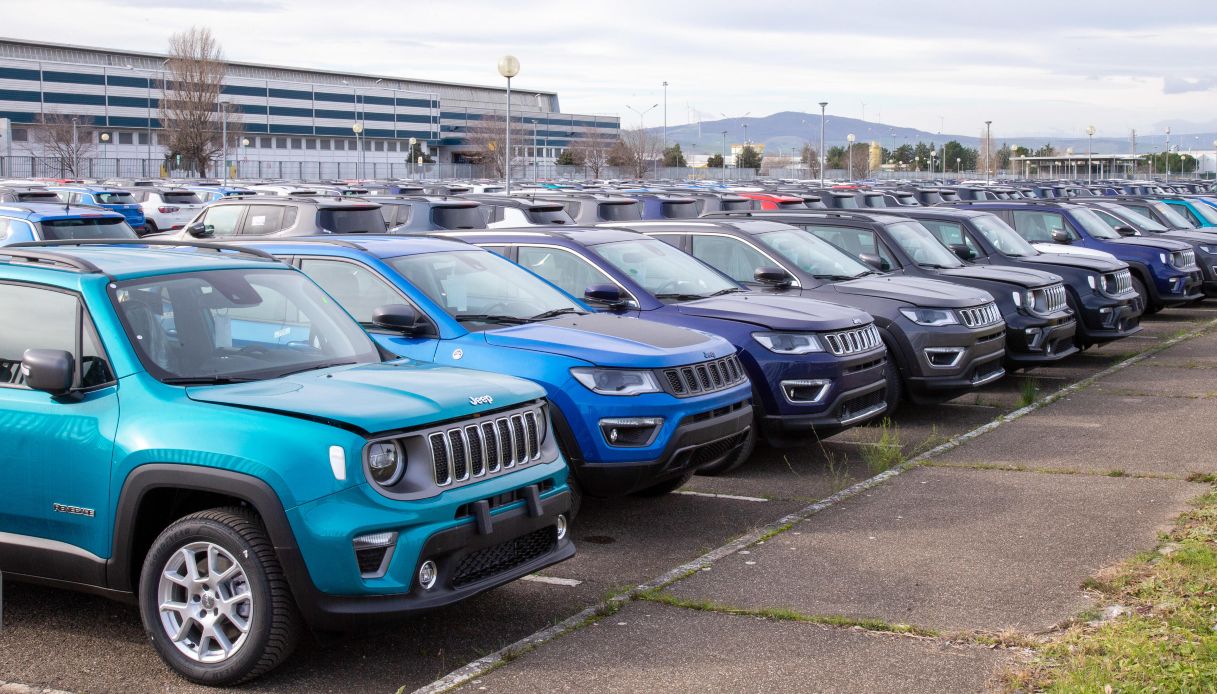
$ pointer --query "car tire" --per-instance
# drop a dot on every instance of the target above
(894, 390)
(665, 487)
(246, 609)
(149, 228)
(1150, 307)
(576, 496)
(735, 460)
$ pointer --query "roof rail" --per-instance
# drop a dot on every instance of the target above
(78, 264)
(309, 239)
(258, 253)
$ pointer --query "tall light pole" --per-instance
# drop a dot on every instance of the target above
(105, 139)
(933, 160)
(988, 148)
(224, 141)
(1069, 160)
(958, 166)
(665, 116)
(1214, 155)
(849, 155)
(1090, 153)
(509, 66)
(1168, 154)
(724, 156)
(823, 159)
(534, 150)
(357, 128)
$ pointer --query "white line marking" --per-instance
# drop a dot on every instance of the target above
(553, 581)
(721, 496)
(490, 661)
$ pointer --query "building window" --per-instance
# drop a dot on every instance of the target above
(143, 138)
(265, 142)
(310, 143)
(21, 135)
(126, 139)
(325, 144)
(379, 145)
(280, 143)
(296, 144)
(340, 145)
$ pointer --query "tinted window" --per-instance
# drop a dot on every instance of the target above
(843, 202)
(730, 256)
(729, 205)
(351, 220)
(853, 240)
(117, 198)
(949, 233)
(550, 216)
(357, 288)
(1037, 227)
(620, 212)
(921, 245)
(263, 219)
(678, 210)
(86, 228)
(223, 219)
(569, 271)
(35, 319)
(458, 218)
(37, 196)
(184, 198)
(664, 271)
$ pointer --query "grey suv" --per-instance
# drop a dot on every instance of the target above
(264, 216)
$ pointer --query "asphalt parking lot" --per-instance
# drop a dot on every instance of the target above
(990, 507)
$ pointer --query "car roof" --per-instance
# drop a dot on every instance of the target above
(54, 210)
(120, 261)
(745, 225)
(585, 236)
(914, 211)
(86, 188)
(379, 246)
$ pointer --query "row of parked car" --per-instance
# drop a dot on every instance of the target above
(405, 396)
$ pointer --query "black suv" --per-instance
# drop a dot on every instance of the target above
(16, 192)
(942, 339)
(1040, 328)
(419, 213)
(274, 216)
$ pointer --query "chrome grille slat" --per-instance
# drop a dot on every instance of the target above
(703, 377)
(854, 341)
(467, 451)
(980, 316)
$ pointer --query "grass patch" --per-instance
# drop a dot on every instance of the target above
(1116, 473)
(1167, 642)
(1028, 391)
(885, 453)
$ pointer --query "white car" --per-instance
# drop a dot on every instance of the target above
(166, 209)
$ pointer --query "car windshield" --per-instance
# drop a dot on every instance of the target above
(79, 228)
(1135, 216)
(224, 326)
(1004, 239)
(1168, 212)
(664, 271)
(115, 198)
(1205, 212)
(351, 220)
(921, 246)
(483, 288)
(1094, 226)
(813, 255)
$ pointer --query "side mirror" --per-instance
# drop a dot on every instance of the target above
(606, 295)
(962, 250)
(1061, 236)
(875, 261)
(48, 370)
(397, 317)
(772, 276)
(1126, 231)
(200, 230)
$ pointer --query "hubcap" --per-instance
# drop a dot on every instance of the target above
(205, 603)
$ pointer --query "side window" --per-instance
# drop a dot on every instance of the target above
(223, 219)
(1187, 212)
(854, 241)
(94, 367)
(48, 319)
(565, 269)
(501, 250)
(262, 220)
(950, 234)
(731, 256)
(1037, 227)
(359, 290)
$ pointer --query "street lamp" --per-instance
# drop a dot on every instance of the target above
(1069, 159)
(958, 165)
(105, 139)
(724, 167)
(1167, 144)
(509, 66)
(410, 158)
(244, 153)
(665, 116)
(1089, 153)
(357, 128)
(933, 160)
(988, 149)
(849, 154)
(823, 159)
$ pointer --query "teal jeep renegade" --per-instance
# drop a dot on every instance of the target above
(204, 431)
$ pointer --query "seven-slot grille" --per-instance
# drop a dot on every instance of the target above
(853, 341)
(1184, 260)
(1118, 282)
(980, 316)
(462, 453)
(704, 377)
(1048, 299)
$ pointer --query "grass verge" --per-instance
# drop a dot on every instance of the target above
(1164, 636)
(885, 453)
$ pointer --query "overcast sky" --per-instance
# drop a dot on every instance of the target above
(1033, 67)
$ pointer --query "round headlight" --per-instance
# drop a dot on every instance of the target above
(385, 463)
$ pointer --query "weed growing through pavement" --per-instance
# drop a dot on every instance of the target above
(1028, 391)
(886, 453)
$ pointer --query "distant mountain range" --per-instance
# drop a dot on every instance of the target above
(789, 130)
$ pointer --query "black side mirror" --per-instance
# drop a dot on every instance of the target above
(772, 276)
(48, 370)
(962, 250)
(396, 317)
(1061, 236)
(200, 230)
(606, 295)
(1126, 231)
(875, 261)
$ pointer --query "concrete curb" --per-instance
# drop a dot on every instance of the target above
(485, 664)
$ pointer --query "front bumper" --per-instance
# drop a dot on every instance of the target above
(1180, 288)
(1103, 319)
(979, 360)
(1032, 340)
(856, 393)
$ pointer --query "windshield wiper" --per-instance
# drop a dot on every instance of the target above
(934, 266)
(489, 318)
(204, 380)
(838, 278)
(728, 290)
(314, 367)
(681, 297)
(556, 312)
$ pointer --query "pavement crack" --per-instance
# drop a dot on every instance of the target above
(1002, 467)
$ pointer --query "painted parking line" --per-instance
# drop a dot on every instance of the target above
(721, 496)
(552, 580)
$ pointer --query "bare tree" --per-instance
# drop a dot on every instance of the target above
(641, 150)
(810, 158)
(488, 138)
(65, 140)
(192, 114)
(859, 157)
(592, 153)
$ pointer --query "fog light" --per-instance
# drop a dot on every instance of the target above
(630, 431)
(806, 392)
(561, 526)
(1034, 335)
(427, 574)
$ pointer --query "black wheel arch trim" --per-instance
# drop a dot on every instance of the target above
(1141, 272)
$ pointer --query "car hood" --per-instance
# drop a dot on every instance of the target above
(1157, 243)
(917, 291)
(1003, 273)
(776, 312)
(373, 398)
(1065, 249)
(1081, 262)
(607, 340)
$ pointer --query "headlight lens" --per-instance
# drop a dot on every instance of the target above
(386, 463)
(616, 381)
(930, 316)
(789, 343)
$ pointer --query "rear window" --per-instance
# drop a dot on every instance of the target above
(845, 202)
(118, 198)
(875, 201)
(555, 215)
(678, 210)
(620, 212)
(85, 228)
(947, 196)
(458, 217)
(351, 220)
(38, 196)
(791, 205)
(731, 205)
(185, 198)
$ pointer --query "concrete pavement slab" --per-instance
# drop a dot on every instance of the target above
(648, 647)
(951, 549)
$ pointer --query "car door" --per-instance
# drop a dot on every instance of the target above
(360, 290)
(55, 469)
(567, 270)
(224, 220)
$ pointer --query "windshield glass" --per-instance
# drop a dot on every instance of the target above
(1170, 214)
(1004, 239)
(458, 217)
(483, 288)
(351, 220)
(119, 198)
(921, 245)
(664, 271)
(813, 255)
(1137, 218)
(86, 228)
(1094, 226)
(236, 325)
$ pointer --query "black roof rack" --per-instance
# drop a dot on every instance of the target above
(14, 251)
(309, 239)
(258, 253)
